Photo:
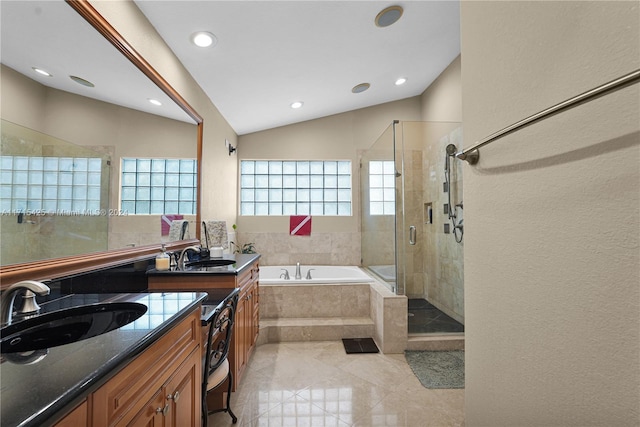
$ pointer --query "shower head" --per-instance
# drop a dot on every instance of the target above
(451, 151)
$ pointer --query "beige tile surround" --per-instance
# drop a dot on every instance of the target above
(321, 248)
(331, 312)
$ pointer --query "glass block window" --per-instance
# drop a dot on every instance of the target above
(290, 187)
(53, 185)
(158, 186)
(382, 195)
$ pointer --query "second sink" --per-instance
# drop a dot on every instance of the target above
(212, 262)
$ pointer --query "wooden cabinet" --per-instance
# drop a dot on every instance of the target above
(172, 405)
(77, 417)
(246, 326)
(247, 318)
(161, 387)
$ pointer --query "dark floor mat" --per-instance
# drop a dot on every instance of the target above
(359, 345)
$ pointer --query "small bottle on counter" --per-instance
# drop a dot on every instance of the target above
(162, 260)
(216, 252)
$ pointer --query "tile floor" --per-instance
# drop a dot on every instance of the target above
(425, 318)
(318, 384)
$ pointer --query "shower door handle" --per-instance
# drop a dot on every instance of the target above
(412, 235)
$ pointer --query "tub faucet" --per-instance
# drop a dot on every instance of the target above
(183, 253)
(285, 275)
(30, 305)
(298, 274)
(309, 274)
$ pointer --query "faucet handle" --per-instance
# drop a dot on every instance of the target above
(309, 274)
(29, 305)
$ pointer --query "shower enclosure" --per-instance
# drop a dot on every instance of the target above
(412, 220)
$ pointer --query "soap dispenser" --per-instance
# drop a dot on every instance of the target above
(162, 260)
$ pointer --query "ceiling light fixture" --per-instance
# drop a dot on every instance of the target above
(401, 81)
(155, 102)
(82, 81)
(297, 104)
(204, 39)
(360, 87)
(41, 71)
(388, 16)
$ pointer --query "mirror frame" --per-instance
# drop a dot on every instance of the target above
(58, 267)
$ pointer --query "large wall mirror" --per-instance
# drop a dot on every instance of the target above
(65, 135)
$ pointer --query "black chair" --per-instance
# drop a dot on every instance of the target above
(216, 367)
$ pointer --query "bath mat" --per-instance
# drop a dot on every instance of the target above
(359, 345)
(437, 369)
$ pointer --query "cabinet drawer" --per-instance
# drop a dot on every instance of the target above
(245, 278)
(137, 383)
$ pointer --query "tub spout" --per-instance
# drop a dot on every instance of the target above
(298, 273)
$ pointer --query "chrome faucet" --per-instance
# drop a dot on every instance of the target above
(30, 305)
(298, 274)
(285, 275)
(183, 253)
(309, 274)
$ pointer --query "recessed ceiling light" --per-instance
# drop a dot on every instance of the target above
(297, 104)
(41, 71)
(81, 81)
(401, 81)
(360, 88)
(203, 39)
(388, 16)
(155, 102)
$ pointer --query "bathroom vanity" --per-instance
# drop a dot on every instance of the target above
(243, 273)
(147, 371)
(115, 377)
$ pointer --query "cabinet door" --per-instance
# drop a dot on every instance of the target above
(151, 414)
(183, 393)
(240, 339)
(255, 314)
(75, 418)
(254, 298)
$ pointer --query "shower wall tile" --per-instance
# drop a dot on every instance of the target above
(443, 256)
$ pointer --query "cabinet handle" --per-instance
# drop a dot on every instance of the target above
(175, 396)
(163, 410)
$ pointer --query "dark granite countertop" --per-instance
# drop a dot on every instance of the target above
(242, 261)
(38, 394)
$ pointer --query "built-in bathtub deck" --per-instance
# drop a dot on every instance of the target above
(316, 328)
(332, 311)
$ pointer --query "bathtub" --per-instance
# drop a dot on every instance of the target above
(320, 274)
(386, 272)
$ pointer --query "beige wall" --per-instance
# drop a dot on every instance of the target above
(552, 220)
(334, 240)
(442, 101)
(219, 170)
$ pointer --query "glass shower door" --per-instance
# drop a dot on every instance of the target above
(379, 206)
